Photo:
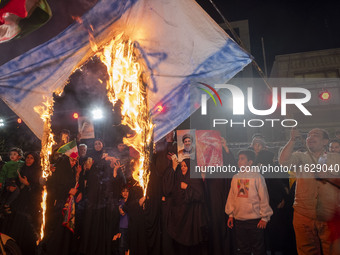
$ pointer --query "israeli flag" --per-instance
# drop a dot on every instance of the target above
(180, 43)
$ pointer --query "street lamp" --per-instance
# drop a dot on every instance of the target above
(324, 95)
(97, 114)
(75, 115)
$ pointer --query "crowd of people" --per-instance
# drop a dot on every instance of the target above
(94, 206)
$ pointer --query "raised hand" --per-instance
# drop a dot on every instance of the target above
(294, 134)
(224, 145)
(174, 161)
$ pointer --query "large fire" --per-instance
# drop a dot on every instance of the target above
(125, 84)
(124, 66)
(47, 141)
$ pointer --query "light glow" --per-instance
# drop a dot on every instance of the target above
(97, 114)
(75, 115)
(325, 95)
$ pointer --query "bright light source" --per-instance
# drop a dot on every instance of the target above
(2, 123)
(160, 108)
(75, 115)
(97, 114)
(324, 95)
(19, 120)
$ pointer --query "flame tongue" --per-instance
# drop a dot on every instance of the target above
(45, 112)
(126, 84)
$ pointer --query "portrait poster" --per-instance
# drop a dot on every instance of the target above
(85, 128)
(208, 148)
(186, 144)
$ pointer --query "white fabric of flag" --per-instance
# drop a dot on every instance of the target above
(180, 43)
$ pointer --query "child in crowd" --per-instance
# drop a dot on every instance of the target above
(8, 177)
(248, 206)
(334, 146)
(122, 153)
(123, 223)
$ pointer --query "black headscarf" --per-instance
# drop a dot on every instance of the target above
(32, 172)
(97, 155)
(187, 161)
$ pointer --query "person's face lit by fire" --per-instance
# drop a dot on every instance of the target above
(82, 151)
(125, 194)
(315, 140)
(334, 147)
(187, 144)
(98, 145)
(121, 147)
(65, 138)
(184, 168)
(73, 162)
(29, 160)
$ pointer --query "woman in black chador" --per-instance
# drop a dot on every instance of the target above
(63, 185)
(23, 225)
(187, 220)
(101, 220)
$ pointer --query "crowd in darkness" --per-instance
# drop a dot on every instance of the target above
(95, 207)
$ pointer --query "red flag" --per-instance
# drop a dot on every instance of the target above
(17, 7)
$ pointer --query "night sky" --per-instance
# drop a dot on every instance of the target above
(286, 26)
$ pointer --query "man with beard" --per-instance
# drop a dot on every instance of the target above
(188, 152)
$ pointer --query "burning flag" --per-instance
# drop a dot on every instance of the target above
(125, 68)
(45, 112)
(179, 43)
(167, 45)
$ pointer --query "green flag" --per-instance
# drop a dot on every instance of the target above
(70, 149)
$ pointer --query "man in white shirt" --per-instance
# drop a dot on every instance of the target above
(315, 199)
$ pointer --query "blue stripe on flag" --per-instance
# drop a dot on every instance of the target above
(221, 66)
(26, 73)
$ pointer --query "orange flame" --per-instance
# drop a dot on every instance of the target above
(47, 141)
(126, 84)
(43, 206)
(77, 19)
(93, 45)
